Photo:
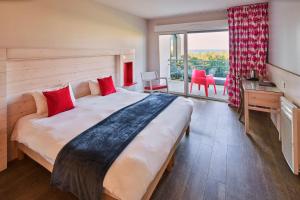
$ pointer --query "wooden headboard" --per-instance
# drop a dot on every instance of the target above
(27, 70)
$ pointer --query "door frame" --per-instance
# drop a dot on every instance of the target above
(185, 56)
(185, 62)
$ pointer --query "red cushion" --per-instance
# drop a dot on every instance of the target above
(156, 87)
(58, 101)
(106, 86)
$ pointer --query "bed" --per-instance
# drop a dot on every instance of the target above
(148, 155)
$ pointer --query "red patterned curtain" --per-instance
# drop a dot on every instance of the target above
(248, 38)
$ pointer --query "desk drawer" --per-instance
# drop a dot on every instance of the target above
(269, 100)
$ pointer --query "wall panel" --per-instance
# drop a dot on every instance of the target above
(28, 70)
(286, 82)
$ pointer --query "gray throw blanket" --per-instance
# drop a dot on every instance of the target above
(81, 165)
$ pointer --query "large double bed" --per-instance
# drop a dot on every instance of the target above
(137, 170)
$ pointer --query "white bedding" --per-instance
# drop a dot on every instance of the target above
(136, 167)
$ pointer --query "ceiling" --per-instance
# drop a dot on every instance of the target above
(162, 8)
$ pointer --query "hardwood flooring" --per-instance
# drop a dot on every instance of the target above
(217, 161)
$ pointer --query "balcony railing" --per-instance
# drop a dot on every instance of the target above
(218, 68)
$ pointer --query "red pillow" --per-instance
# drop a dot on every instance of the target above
(58, 101)
(106, 86)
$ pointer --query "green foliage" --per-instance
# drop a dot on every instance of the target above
(213, 62)
(209, 55)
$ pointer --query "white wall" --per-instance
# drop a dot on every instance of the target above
(284, 47)
(71, 24)
(285, 35)
(164, 55)
(153, 37)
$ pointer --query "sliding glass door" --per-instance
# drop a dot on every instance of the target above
(208, 64)
(171, 55)
(196, 64)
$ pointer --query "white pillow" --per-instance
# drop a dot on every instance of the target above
(71, 94)
(41, 101)
(94, 87)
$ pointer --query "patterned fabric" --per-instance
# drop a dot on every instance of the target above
(248, 42)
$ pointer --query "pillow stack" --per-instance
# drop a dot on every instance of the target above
(102, 87)
(57, 100)
(53, 101)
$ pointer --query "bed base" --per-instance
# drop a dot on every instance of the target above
(167, 166)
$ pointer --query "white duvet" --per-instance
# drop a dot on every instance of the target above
(136, 167)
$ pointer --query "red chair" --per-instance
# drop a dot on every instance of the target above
(226, 84)
(199, 77)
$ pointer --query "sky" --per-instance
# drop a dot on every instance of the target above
(210, 40)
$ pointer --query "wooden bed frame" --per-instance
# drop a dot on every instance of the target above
(24, 70)
(27, 70)
(168, 164)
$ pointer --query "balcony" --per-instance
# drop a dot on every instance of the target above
(217, 68)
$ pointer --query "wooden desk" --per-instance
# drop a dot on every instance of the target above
(260, 98)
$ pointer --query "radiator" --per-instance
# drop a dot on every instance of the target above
(289, 137)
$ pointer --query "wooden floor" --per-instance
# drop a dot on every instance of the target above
(217, 161)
